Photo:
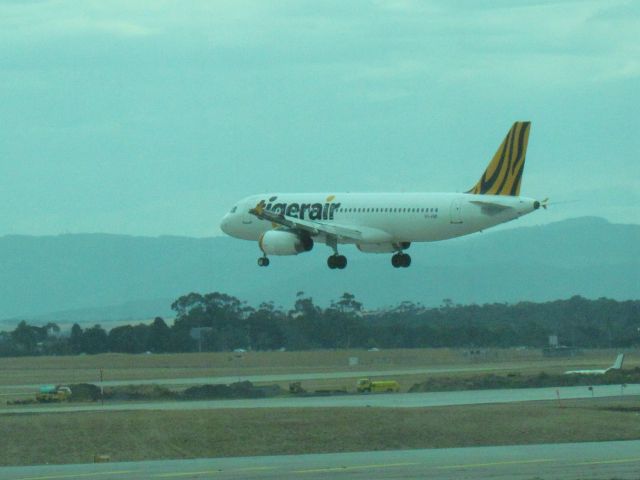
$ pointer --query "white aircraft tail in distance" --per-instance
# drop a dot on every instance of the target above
(292, 223)
(617, 365)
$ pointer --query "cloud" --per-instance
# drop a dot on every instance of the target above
(257, 95)
(28, 22)
(119, 28)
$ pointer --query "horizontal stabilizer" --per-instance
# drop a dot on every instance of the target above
(490, 208)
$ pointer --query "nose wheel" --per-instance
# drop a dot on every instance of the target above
(263, 262)
(337, 261)
(401, 260)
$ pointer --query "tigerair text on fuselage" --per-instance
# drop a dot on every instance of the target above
(312, 211)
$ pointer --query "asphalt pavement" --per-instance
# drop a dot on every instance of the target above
(601, 460)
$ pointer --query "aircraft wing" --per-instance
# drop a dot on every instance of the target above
(490, 208)
(314, 227)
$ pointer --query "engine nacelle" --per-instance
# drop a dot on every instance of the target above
(383, 247)
(281, 242)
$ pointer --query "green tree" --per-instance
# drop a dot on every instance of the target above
(25, 338)
(264, 328)
(95, 340)
(159, 339)
(76, 340)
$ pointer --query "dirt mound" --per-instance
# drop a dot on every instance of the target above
(202, 392)
(235, 390)
(139, 392)
(84, 392)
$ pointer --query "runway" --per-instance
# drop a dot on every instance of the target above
(601, 460)
(387, 400)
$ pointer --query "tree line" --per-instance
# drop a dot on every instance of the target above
(220, 322)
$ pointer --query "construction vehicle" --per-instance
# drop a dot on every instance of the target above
(53, 393)
(296, 388)
(366, 385)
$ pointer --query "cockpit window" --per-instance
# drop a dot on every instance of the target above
(233, 210)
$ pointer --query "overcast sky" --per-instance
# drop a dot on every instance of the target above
(154, 117)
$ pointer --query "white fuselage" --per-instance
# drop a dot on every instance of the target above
(383, 217)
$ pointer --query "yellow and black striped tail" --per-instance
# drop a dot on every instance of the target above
(504, 173)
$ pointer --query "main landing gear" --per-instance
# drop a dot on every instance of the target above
(263, 261)
(401, 259)
(337, 261)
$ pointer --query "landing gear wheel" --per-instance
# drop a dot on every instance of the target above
(337, 261)
(401, 260)
(263, 262)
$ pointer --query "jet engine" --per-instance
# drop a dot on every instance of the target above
(282, 242)
(383, 247)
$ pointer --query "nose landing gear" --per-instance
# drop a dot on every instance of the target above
(263, 261)
(401, 260)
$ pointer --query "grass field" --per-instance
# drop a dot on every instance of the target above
(75, 438)
(86, 368)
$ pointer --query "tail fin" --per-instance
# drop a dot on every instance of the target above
(618, 363)
(504, 173)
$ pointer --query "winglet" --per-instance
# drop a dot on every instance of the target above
(504, 173)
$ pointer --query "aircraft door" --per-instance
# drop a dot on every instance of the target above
(455, 211)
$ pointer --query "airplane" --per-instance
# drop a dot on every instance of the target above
(291, 223)
(617, 365)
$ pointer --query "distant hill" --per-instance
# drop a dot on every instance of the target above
(94, 277)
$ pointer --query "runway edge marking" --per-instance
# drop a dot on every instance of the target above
(78, 475)
(495, 464)
(603, 462)
(356, 467)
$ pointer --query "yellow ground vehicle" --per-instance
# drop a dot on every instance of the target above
(53, 393)
(368, 385)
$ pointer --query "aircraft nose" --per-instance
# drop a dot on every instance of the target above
(224, 224)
